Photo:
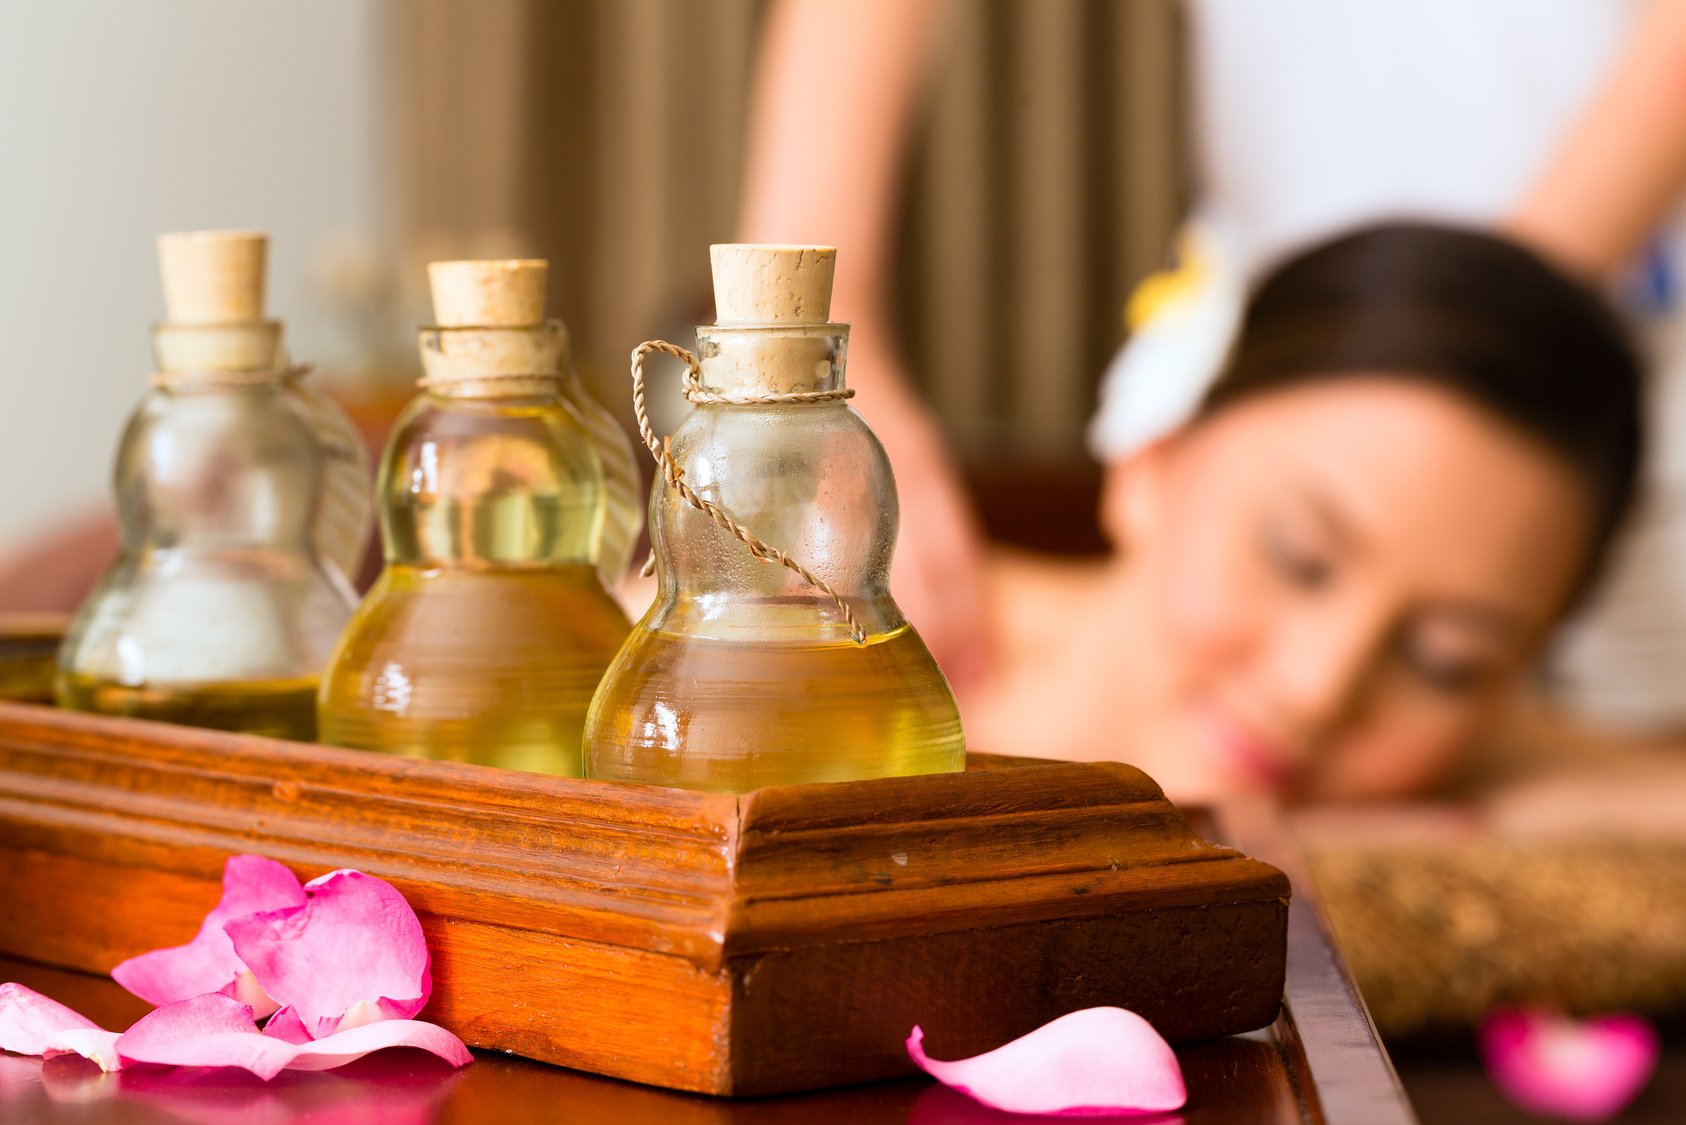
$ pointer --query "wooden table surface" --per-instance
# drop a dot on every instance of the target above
(1320, 1062)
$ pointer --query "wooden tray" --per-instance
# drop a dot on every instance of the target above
(783, 940)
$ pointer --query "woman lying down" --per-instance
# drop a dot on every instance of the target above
(1334, 584)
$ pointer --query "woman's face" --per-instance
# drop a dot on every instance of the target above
(1328, 588)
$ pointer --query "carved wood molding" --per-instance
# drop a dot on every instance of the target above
(780, 940)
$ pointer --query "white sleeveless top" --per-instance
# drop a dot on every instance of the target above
(1312, 116)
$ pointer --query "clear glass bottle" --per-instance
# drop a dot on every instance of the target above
(488, 630)
(623, 485)
(743, 674)
(231, 478)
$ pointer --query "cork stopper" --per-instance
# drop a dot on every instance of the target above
(772, 330)
(213, 276)
(759, 284)
(488, 294)
(489, 327)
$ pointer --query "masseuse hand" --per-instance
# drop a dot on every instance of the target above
(937, 576)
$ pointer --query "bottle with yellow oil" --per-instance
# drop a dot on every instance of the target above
(773, 653)
(243, 500)
(623, 484)
(488, 630)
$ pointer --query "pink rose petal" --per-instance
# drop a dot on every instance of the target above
(354, 942)
(32, 1024)
(208, 963)
(217, 1030)
(1096, 1061)
(1585, 1071)
(286, 1026)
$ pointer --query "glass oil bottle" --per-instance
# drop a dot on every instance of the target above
(623, 485)
(243, 501)
(746, 673)
(490, 625)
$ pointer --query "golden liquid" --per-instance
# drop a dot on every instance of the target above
(740, 715)
(489, 665)
(278, 708)
(29, 648)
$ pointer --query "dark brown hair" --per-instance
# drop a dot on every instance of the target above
(1470, 312)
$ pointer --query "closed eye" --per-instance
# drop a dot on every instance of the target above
(1302, 566)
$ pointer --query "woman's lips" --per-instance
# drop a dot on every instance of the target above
(1241, 751)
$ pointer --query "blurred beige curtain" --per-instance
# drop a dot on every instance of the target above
(607, 136)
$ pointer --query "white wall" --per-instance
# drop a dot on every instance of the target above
(120, 119)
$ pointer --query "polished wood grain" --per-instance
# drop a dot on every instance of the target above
(1266, 1077)
(782, 940)
(1351, 1076)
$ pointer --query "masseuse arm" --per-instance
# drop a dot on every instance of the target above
(1623, 166)
(834, 96)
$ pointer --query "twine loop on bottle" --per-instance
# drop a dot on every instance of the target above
(674, 475)
(212, 377)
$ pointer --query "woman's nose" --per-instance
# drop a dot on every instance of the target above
(1321, 668)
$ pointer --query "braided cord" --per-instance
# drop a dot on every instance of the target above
(675, 476)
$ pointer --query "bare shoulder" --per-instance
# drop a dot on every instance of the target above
(1038, 702)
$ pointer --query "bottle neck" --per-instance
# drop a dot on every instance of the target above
(237, 346)
(772, 359)
(495, 362)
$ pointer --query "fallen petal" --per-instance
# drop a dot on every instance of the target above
(33, 1024)
(250, 884)
(1585, 1071)
(355, 940)
(347, 1046)
(286, 1026)
(216, 1030)
(1092, 1062)
(208, 1030)
(28, 1018)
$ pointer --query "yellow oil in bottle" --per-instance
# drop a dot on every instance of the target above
(277, 708)
(484, 638)
(493, 665)
(240, 493)
(742, 714)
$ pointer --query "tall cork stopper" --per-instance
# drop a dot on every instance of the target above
(772, 329)
(490, 294)
(756, 284)
(213, 304)
(489, 322)
(213, 276)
